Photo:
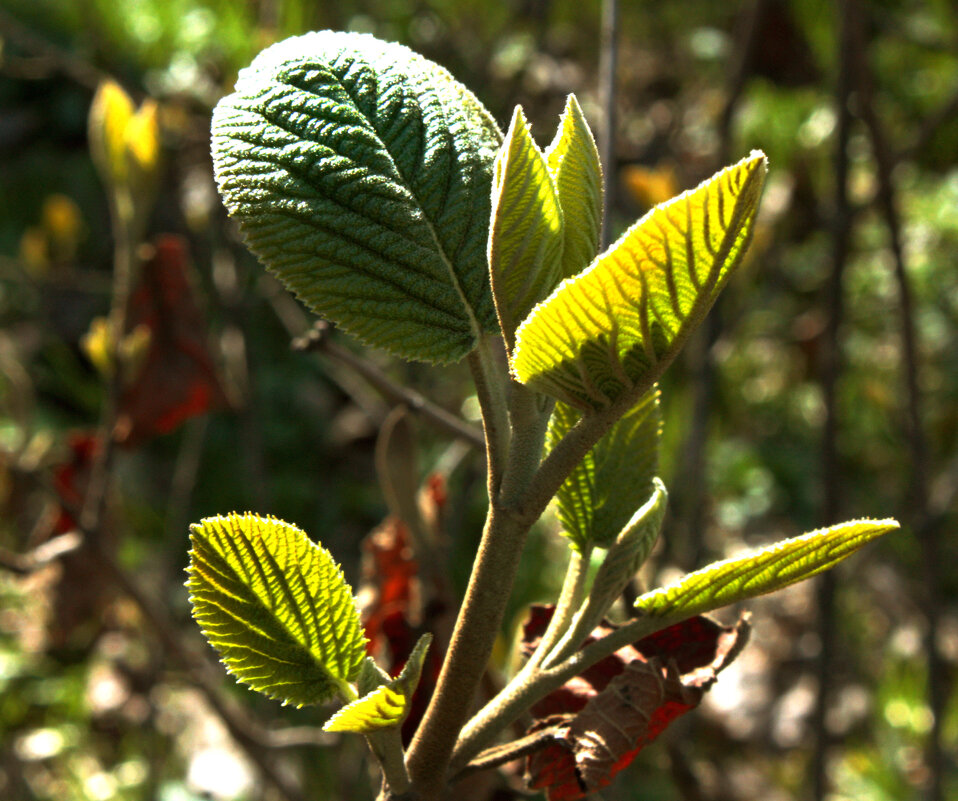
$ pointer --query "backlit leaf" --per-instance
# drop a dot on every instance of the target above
(763, 571)
(574, 164)
(611, 331)
(276, 607)
(600, 495)
(383, 708)
(525, 234)
(361, 173)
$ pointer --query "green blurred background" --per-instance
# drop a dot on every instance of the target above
(790, 411)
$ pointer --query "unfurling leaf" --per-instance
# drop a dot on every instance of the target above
(601, 719)
(628, 553)
(574, 164)
(387, 705)
(608, 333)
(525, 233)
(383, 708)
(361, 173)
(603, 491)
(276, 607)
(769, 569)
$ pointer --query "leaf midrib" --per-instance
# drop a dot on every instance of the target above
(473, 322)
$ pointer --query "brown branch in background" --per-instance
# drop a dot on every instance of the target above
(702, 375)
(46, 56)
(317, 339)
(608, 59)
(831, 367)
(25, 563)
(917, 493)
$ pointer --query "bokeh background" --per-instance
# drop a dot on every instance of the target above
(824, 387)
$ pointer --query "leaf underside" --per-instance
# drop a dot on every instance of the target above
(615, 478)
(611, 330)
(763, 571)
(275, 606)
(360, 173)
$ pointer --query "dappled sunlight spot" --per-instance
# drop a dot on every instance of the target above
(220, 772)
(40, 744)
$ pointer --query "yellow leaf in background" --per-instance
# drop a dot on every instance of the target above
(34, 252)
(110, 115)
(142, 137)
(97, 344)
(62, 223)
(650, 186)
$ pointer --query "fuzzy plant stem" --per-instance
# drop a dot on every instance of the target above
(490, 584)
(533, 684)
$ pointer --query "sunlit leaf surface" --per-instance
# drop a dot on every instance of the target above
(276, 607)
(613, 329)
(763, 571)
(614, 479)
(525, 234)
(574, 164)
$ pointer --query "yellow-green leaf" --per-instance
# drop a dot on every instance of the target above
(525, 231)
(769, 569)
(385, 703)
(276, 607)
(613, 479)
(574, 164)
(383, 708)
(609, 332)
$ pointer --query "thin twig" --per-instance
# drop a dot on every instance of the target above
(41, 556)
(317, 340)
(608, 60)
(830, 371)
(917, 493)
(507, 752)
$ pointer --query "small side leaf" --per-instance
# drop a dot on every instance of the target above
(763, 571)
(612, 330)
(574, 164)
(615, 477)
(525, 232)
(386, 706)
(276, 607)
(383, 708)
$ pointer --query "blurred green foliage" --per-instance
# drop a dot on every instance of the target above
(95, 708)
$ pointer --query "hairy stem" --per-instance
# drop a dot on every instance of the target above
(490, 584)
(569, 599)
(532, 685)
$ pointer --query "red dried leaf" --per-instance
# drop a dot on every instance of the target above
(178, 379)
(391, 610)
(70, 478)
(601, 719)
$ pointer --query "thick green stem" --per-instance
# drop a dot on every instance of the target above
(387, 746)
(569, 599)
